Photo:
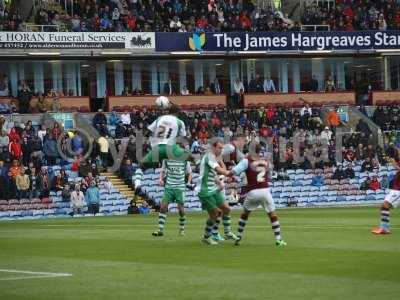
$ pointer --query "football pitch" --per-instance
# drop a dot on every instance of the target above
(331, 254)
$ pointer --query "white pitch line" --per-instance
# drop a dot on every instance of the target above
(32, 274)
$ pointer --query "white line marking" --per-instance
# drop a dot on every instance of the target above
(32, 274)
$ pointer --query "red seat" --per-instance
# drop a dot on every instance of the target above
(84, 109)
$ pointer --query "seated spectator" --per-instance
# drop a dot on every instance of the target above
(367, 165)
(114, 118)
(132, 208)
(127, 171)
(282, 175)
(326, 136)
(93, 198)
(185, 91)
(329, 84)
(339, 174)
(374, 184)
(365, 185)
(126, 118)
(349, 172)
(77, 201)
(318, 180)
(42, 106)
(4, 139)
(144, 209)
(385, 184)
(60, 180)
(99, 119)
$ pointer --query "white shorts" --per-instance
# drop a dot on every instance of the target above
(393, 198)
(259, 197)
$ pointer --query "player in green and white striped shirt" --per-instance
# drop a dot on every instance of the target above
(210, 193)
(173, 177)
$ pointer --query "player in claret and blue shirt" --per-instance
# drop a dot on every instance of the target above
(392, 200)
(257, 191)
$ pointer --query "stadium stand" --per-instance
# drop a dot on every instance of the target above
(307, 124)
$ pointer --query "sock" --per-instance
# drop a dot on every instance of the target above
(385, 216)
(161, 221)
(227, 224)
(182, 222)
(276, 228)
(216, 225)
(241, 225)
(208, 228)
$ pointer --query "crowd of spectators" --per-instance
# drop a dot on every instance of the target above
(29, 160)
(207, 15)
(353, 15)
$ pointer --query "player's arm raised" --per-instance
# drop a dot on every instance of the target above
(240, 167)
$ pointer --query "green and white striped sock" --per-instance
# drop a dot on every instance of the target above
(182, 222)
(226, 220)
(161, 221)
(208, 228)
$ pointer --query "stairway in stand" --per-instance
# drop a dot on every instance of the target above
(120, 185)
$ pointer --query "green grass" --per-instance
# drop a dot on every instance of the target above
(330, 255)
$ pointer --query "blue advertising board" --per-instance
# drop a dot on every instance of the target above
(276, 41)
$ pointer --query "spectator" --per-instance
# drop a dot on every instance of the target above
(256, 84)
(84, 169)
(238, 89)
(333, 118)
(127, 171)
(385, 182)
(349, 171)
(365, 185)
(329, 84)
(66, 193)
(104, 148)
(185, 91)
(367, 165)
(132, 208)
(22, 183)
(77, 201)
(24, 99)
(93, 198)
(374, 184)
(44, 183)
(50, 149)
(60, 180)
(126, 118)
(313, 84)
(318, 180)
(114, 118)
(339, 174)
(269, 85)
(99, 119)
(42, 105)
(144, 208)
(34, 191)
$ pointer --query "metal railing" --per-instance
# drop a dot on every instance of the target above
(330, 3)
(319, 27)
(42, 28)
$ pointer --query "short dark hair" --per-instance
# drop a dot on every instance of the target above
(174, 109)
